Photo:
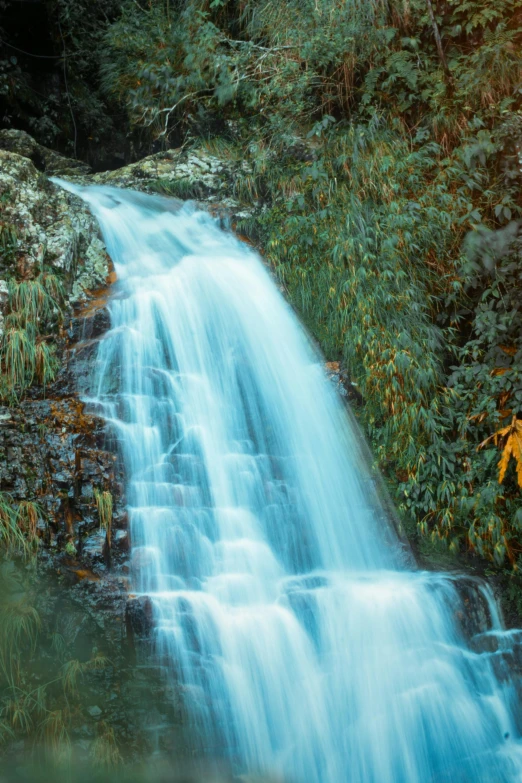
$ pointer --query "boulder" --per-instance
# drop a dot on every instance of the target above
(48, 226)
(139, 615)
(44, 159)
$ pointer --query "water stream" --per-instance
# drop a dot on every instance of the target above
(305, 646)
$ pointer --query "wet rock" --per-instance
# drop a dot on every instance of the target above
(48, 223)
(485, 642)
(4, 294)
(90, 326)
(95, 711)
(121, 540)
(335, 376)
(80, 367)
(140, 617)
(43, 158)
(475, 614)
(95, 269)
(93, 547)
(187, 175)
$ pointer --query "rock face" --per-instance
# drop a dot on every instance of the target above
(202, 178)
(44, 159)
(48, 227)
(44, 441)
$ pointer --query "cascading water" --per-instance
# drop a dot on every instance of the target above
(304, 646)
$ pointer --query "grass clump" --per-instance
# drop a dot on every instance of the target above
(104, 507)
(18, 525)
(178, 188)
(27, 354)
(105, 753)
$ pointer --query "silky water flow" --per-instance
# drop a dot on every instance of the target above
(307, 648)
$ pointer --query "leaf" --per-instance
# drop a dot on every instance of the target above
(512, 448)
(504, 460)
(517, 450)
(494, 437)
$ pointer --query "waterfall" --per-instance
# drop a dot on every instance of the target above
(306, 648)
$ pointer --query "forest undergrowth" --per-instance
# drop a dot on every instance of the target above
(387, 169)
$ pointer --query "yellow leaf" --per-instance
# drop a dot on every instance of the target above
(495, 436)
(517, 450)
(504, 460)
(512, 448)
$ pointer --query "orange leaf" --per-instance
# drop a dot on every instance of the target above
(495, 436)
(517, 450)
(504, 460)
(510, 350)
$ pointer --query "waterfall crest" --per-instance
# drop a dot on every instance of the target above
(304, 646)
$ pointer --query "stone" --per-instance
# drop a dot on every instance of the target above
(44, 159)
(139, 617)
(94, 545)
(484, 642)
(95, 712)
(474, 615)
(90, 326)
(121, 539)
(50, 224)
(4, 294)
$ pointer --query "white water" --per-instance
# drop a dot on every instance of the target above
(304, 648)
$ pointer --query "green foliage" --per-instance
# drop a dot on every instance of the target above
(391, 198)
(59, 99)
(18, 525)
(104, 507)
(36, 300)
(291, 62)
(26, 353)
(11, 536)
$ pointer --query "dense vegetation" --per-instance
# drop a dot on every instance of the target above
(390, 178)
(32, 315)
(49, 85)
(382, 142)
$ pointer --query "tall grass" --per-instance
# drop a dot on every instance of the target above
(26, 352)
(104, 506)
(11, 530)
